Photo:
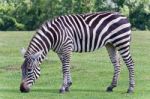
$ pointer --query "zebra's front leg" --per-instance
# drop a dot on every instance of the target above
(114, 57)
(67, 82)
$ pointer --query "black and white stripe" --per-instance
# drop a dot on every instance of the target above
(85, 33)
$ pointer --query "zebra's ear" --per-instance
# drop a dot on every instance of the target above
(37, 55)
(23, 51)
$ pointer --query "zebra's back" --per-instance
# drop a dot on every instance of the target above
(87, 32)
(92, 31)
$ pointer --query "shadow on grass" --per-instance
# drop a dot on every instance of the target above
(99, 91)
(71, 90)
(8, 90)
(87, 90)
(44, 90)
(56, 91)
(40, 90)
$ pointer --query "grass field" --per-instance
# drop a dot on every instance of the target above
(91, 72)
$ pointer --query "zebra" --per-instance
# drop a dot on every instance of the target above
(79, 33)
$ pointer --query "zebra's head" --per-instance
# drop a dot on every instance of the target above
(30, 71)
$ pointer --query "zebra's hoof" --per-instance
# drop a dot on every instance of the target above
(130, 91)
(61, 91)
(109, 89)
(67, 89)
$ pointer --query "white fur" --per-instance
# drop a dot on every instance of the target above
(23, 51)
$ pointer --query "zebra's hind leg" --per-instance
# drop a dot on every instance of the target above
(67, 82)
(114, 57)
(125, 53)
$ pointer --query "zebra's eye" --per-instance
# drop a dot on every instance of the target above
(29, 70)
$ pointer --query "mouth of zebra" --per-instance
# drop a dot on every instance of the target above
(24, 87)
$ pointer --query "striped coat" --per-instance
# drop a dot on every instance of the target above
(85, 33)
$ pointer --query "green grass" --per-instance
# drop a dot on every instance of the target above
(91, 72)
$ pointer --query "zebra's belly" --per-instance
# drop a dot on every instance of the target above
(85, 48)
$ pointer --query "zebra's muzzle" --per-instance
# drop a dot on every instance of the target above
(24, 87)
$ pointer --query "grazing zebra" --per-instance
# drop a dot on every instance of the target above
(79, 33)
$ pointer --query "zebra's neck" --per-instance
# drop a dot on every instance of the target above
(38, 44)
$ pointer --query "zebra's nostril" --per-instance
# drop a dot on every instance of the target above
(24, 88)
